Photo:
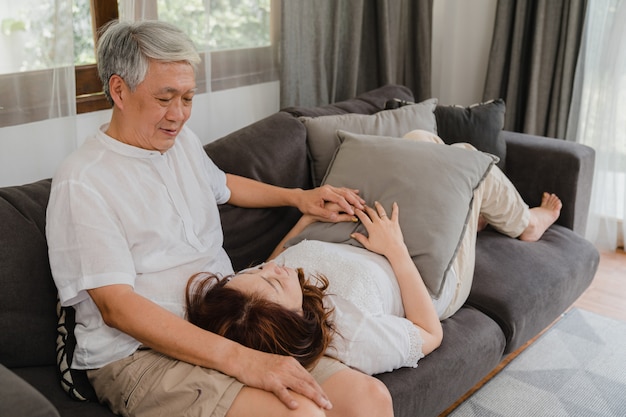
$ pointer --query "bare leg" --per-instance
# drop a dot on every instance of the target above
(542, 217)
(256, 402)
(354, 394)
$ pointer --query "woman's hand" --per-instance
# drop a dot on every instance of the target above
(384, 233)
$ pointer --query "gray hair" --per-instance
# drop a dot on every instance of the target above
(126, 48)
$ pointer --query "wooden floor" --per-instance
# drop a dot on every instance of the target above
(607, 293)
(605, 296)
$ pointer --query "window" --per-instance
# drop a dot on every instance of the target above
(241, 36)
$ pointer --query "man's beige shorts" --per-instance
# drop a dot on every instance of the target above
(148, 383)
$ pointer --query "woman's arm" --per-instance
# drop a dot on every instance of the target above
(385, 238)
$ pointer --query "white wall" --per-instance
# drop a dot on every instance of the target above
(461, 40)
(462, 33)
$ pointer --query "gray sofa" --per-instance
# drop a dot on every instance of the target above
(518, 289)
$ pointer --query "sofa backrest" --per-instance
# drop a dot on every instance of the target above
(274, 151)
(27, 293)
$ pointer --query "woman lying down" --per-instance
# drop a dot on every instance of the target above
(368, 307)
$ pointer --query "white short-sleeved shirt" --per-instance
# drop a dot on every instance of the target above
(119, 214)
(374, 335)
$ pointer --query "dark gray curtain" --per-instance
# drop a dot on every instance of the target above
(332, 50)
(532, 63)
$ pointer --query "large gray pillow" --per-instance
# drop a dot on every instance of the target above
(433, 185)
(322, 140)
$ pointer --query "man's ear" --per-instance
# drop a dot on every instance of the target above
(117, 89)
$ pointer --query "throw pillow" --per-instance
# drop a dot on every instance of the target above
(479, 124)
(433, 185)
(322, 140)
(73, 381)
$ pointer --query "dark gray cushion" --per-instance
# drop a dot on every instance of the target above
(20, 399)
(472, 346)
(479, 124)
(322, 140)
(273, 151)
(28, 294)
(45, 380)
(367, 103)
(433, 185)
(525, 286)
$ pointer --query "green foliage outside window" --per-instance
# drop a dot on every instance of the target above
(233, 24)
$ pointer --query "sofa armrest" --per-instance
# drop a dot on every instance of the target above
(536, 164)
(20, 399)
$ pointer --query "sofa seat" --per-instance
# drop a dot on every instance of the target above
(473, 345)
(552, 278)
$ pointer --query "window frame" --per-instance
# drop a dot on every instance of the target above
(253, 66)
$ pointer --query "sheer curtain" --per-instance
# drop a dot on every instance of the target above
(598, 117)
(37, 88)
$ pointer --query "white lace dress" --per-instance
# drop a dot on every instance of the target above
(374, 336)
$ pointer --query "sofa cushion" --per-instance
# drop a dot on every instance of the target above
(45, 380)
(523, 286)
(28, 295)
(425, 179)
(272, 150)
(20, 399)
(369, 102)
(472, 346)
(322, 140)
(479, 124)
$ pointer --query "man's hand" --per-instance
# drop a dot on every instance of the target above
(315, 203)
(280, 375)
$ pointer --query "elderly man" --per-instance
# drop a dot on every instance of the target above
(132, 214)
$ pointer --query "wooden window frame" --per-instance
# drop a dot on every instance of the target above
(254, 65)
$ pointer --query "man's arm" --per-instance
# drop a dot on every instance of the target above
(123, 309)
(246, 192)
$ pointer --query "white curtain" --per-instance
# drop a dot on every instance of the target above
(598, 116)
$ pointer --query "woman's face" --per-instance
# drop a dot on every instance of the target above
(275, 283)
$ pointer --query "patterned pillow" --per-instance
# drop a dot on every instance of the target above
(73, 381)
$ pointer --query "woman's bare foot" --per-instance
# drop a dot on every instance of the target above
(542, 217)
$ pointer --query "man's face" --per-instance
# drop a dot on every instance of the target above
(156, 111)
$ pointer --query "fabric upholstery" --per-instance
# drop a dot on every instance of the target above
(479, 124)
(322, 140)
(523, 307)
(46, 380)
(425, 179)
(468, 337)
(272, 150)
(367, 103)
(27, 316)
(20, 399)
(536, 164)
